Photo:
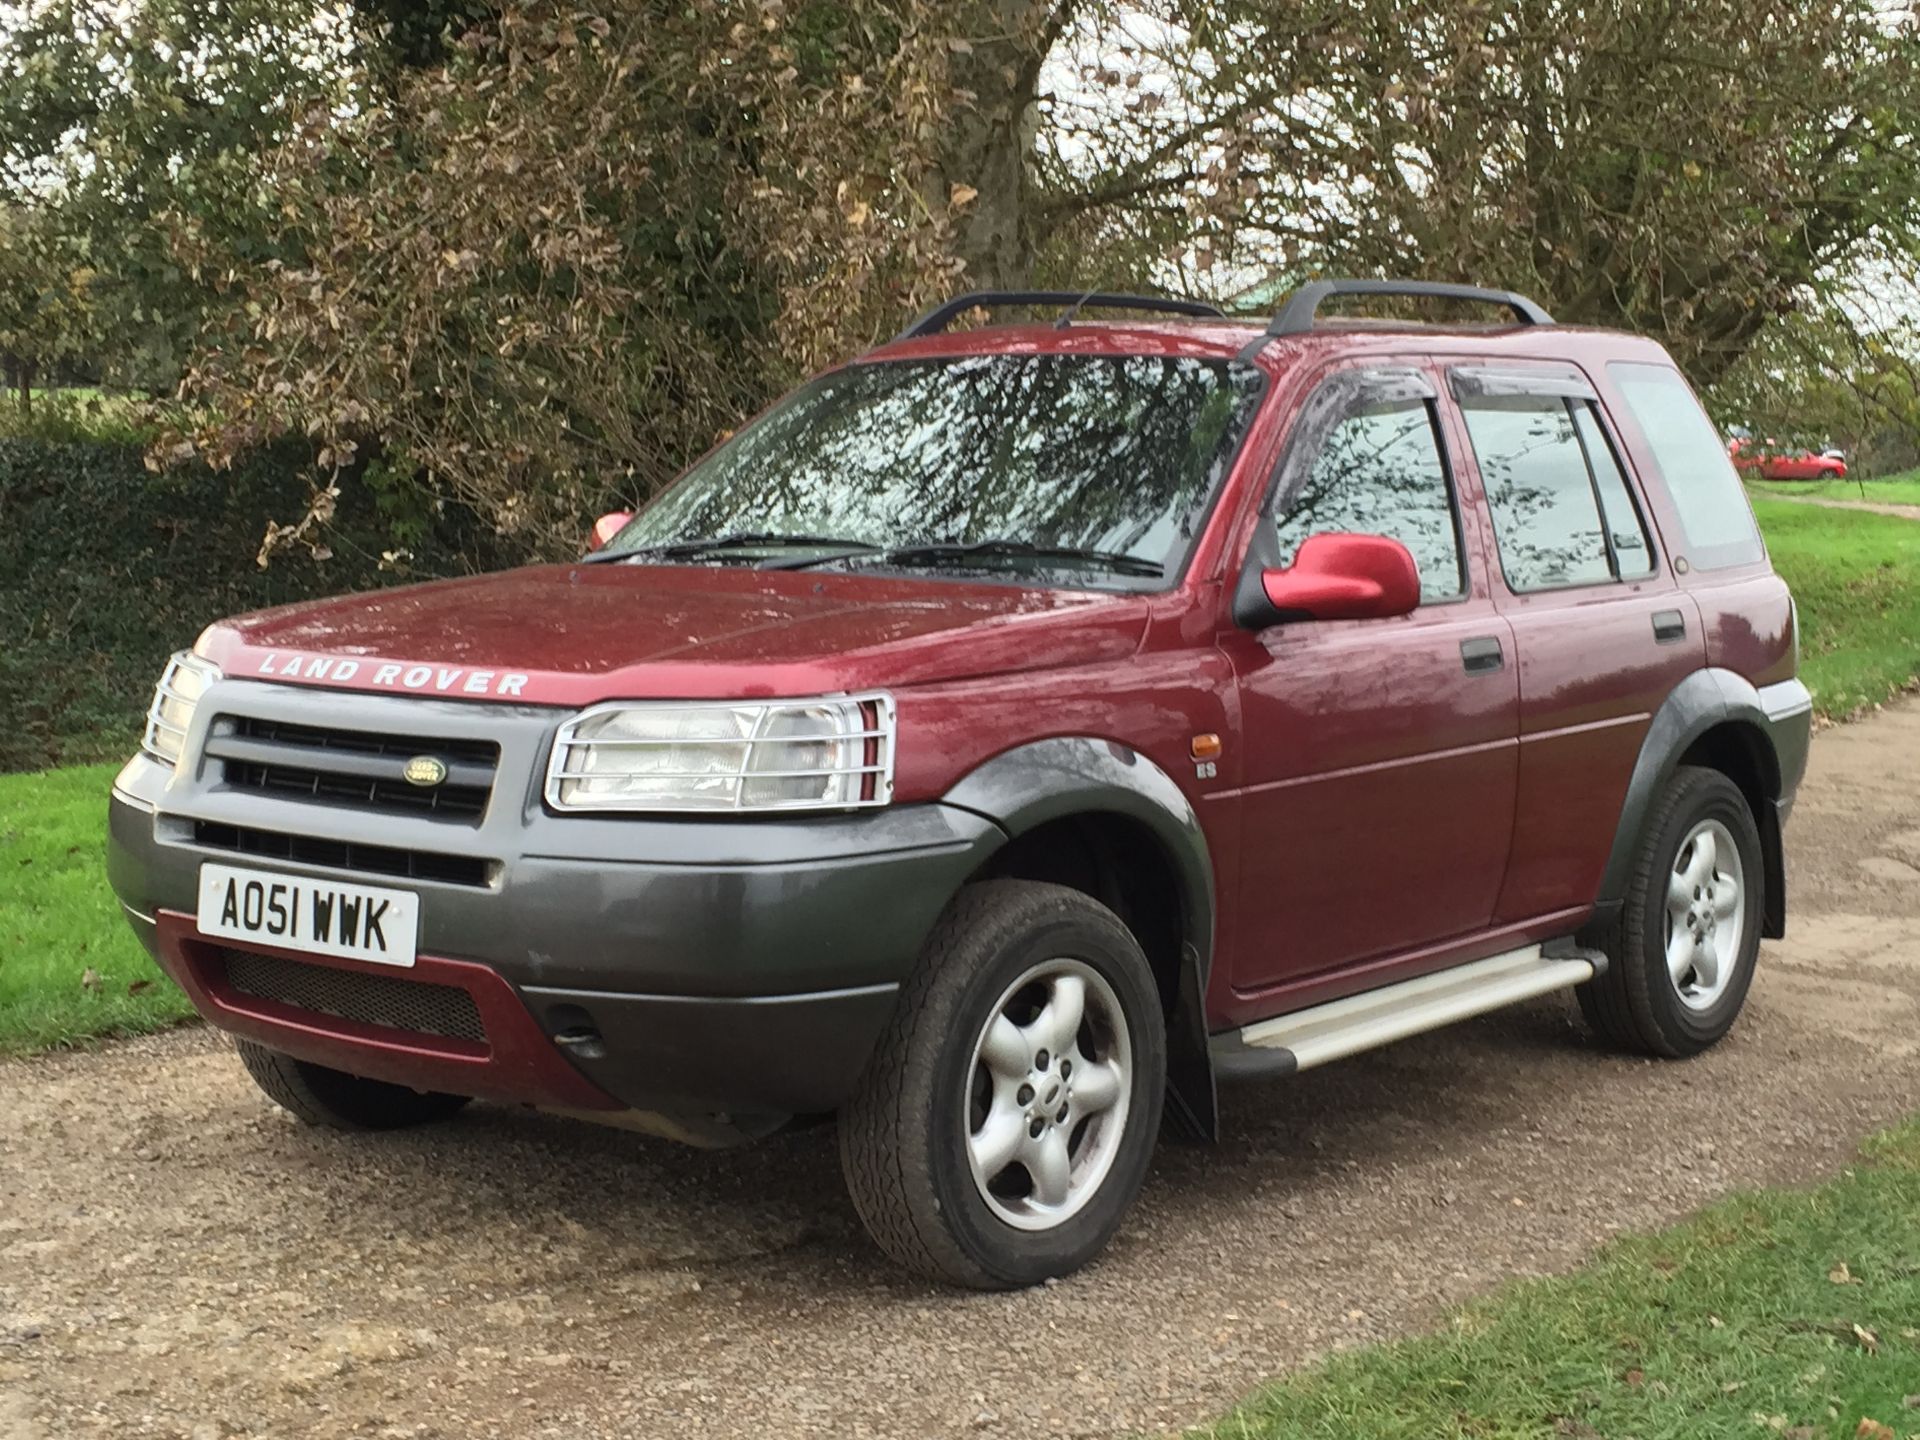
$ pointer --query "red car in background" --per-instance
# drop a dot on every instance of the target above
(1755, 459)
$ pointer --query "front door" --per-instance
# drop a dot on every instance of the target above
(1379, 755)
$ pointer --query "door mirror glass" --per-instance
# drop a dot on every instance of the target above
(1343, 577)
(608, 526)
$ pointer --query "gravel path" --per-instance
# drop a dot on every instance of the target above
(178, 1259)
(1877, 507)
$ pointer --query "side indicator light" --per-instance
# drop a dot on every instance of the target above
(1206, 747)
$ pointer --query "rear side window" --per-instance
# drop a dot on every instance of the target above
(1546, 513)
(1713, 510)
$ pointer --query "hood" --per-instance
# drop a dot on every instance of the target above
(578, 634)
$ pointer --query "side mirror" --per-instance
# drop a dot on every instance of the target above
(1337, 577)
(608, 526)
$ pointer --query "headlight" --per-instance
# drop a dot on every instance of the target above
(182, 684)
(832, 754)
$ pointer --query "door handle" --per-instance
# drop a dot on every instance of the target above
(1481, 655)
(1669, 626)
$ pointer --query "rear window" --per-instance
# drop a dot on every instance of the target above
(1540, 491)
(1713, 510)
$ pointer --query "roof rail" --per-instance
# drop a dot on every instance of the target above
(941, 316)
(1296, 317)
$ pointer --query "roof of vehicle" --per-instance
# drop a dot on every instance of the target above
(1295, 332)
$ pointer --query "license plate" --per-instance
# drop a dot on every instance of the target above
(295, 912)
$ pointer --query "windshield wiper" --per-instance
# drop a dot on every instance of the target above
(734, 540)
(1002, 547)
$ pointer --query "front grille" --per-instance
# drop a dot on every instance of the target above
(359, 768)
(415, 1005)
(343, 854)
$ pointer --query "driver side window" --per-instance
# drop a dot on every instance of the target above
(1380, 471)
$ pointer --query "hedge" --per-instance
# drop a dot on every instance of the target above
(106, 568)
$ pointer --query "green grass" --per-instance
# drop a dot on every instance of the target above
(69, 966)
(1856, 576)
(1737, 1325)
(1894, 490)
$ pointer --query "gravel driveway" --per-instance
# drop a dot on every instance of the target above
(1875, 507)
(178, 1259)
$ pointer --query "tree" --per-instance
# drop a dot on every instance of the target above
(535, 256)
(1690, 169)
(543, 274)
(46, 310)
(119, 116)
(1845, 374)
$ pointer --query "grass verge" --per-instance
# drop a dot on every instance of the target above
(1894, 490)
(1856, 576)
(69, 966)
(1784, 1312)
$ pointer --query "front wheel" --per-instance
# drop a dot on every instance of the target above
(1684, 948)
(1007, 1117)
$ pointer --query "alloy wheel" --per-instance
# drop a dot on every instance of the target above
(1706, 914)
(1048, 1094)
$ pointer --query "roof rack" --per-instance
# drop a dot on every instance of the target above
(1296, 317)
(943, 315)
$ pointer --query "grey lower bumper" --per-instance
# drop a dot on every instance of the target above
(727, 964)
(1788, 707)
(1789, 710)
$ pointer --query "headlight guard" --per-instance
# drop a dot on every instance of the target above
(175, 698)
(725, 756)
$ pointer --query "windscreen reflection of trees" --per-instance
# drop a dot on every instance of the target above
(1544, 517)
(1087, 452)
(1380, 473)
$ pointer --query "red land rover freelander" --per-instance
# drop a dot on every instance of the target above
(1007, 735)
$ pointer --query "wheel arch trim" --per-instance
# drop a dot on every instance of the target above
(1775, 721)
(1064, 777)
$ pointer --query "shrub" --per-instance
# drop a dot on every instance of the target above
(105, 568)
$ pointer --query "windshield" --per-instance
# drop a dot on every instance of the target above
(1101, 466)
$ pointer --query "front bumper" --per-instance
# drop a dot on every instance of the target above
(688, 966)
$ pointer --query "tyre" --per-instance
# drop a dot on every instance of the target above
(1683, 950)
(323, 1096)
(1007, 1117)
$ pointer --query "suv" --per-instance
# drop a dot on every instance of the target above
(1005, 737)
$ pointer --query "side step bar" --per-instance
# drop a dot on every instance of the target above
(1311, 1037)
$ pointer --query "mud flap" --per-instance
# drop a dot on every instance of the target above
(1192, 1111)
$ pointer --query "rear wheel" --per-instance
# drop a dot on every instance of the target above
(333, 1098)
(1006, 1120)
(1684, 948)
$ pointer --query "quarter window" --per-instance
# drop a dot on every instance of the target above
(1713, 511)
(1380, 472)
(1550, 475)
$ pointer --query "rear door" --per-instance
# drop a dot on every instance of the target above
(1601, 631)
(1378, 755)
